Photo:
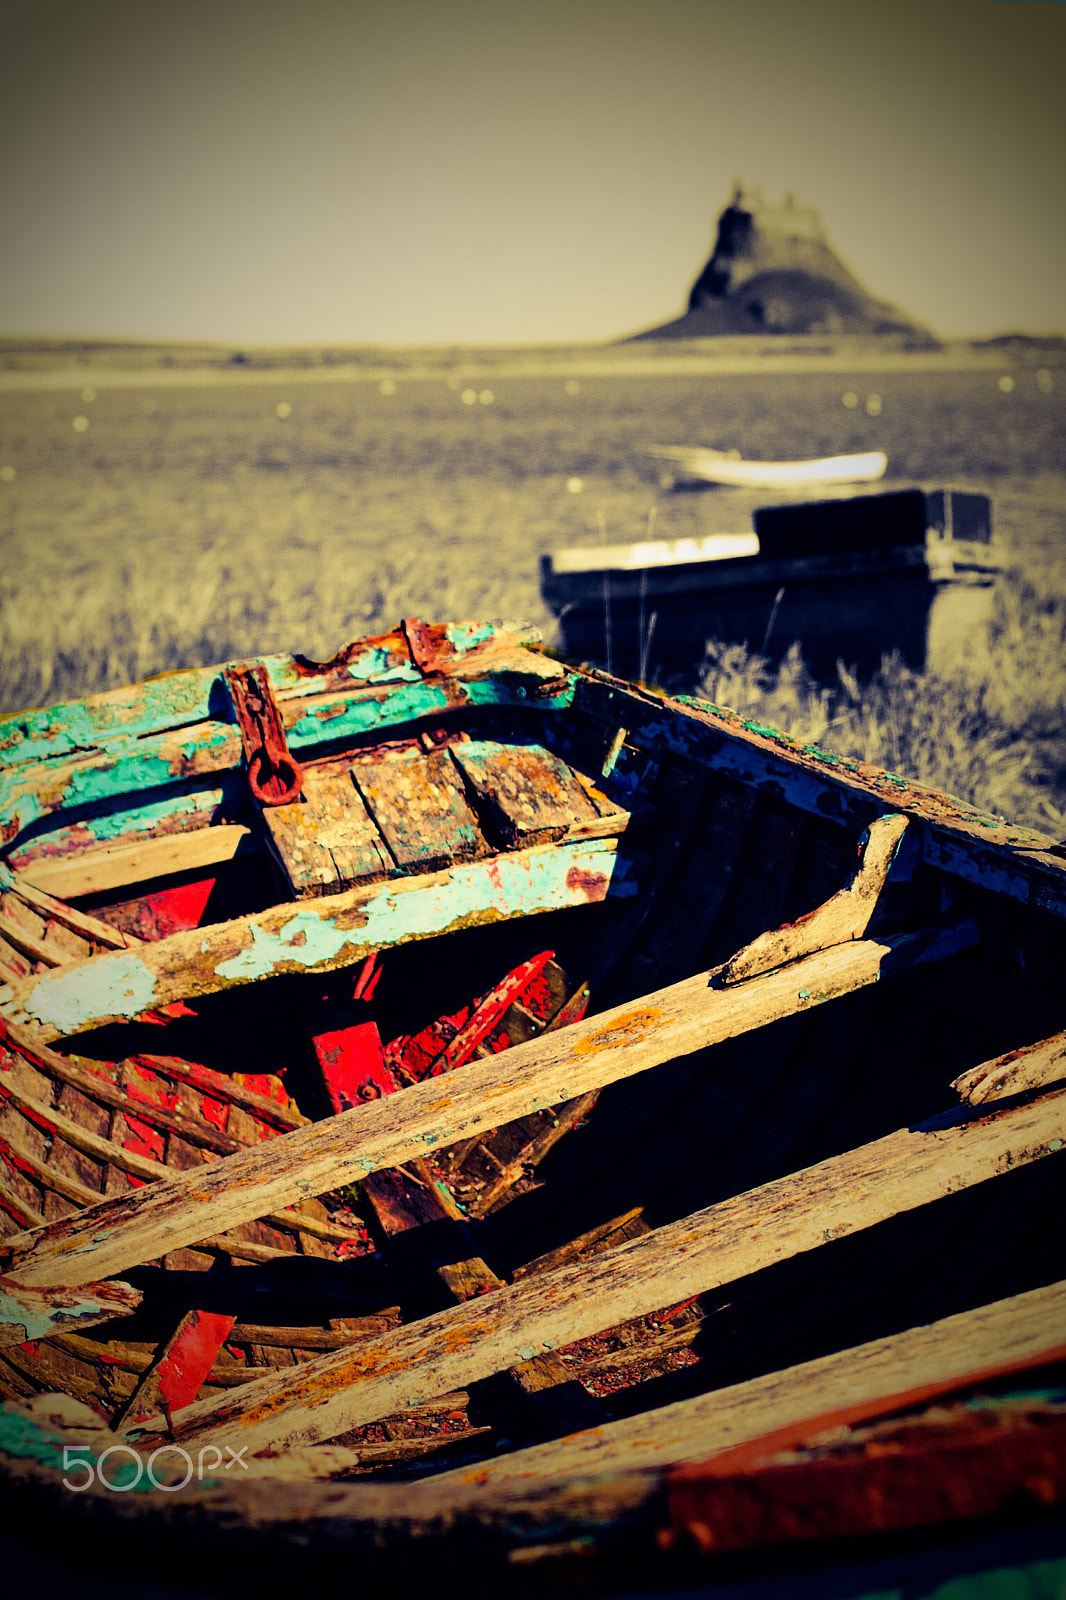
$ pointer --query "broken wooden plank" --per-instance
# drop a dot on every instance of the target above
(547, 1071)
(418, 803)
(326, 839)
(27, 1313)
(99, 934)
(526, 795)
(93, 870)
(721, 1244)
(868, 1380)
(179, 1370)
(1037, 1066)
(846, 915)
(334, 931)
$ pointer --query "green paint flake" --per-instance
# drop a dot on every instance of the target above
(465, 636)
(66, 998)
(117, 777)
(306, 940)
(39, 1324)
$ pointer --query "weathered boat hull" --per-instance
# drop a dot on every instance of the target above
(753, 1062)
(691, 464)
(855, 580)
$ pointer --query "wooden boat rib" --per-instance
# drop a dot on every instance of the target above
(755, 1064)
(699, 464)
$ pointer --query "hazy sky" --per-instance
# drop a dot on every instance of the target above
(550, 170)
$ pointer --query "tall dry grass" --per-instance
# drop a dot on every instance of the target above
(991, 731)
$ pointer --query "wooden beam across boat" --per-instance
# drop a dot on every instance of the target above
(788, 1406)
(27, 1313)
(113, 866)
(333, 931)
(117, 1234)
(584, 1483)
(716, 1246)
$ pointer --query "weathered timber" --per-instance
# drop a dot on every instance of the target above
(112, 1155)
(960, 840)
(961, 1464)
(796, 1402)
(326, 840)
(418, 803)
(153, 762)
(1035, 1067)
(26, 1313)
(528, 795)
(99, 934)
(101, 867)
(719, 1245)
(583, 1483)
(547, 1071)
(334, 931)
(846, 915)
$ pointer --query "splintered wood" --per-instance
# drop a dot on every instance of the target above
(629, 1039)
(714, 1247)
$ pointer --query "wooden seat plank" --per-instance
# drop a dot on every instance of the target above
(326, 839)
(333, 931)
(868, 1380)
(526, 794)
(419, 805)
(716, 1246)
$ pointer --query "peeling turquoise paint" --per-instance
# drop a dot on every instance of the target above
(145, 708)
(369, 663)
(509, 886)
(377, 665)
(143, 819)
(361, 716)
(465, 635)
(508, 689)
(41, 1324)
(103, 783)
(118, 985)
(306, 939)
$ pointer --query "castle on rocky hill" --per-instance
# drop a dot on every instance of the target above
(774, 271)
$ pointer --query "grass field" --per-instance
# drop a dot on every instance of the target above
(150, 524)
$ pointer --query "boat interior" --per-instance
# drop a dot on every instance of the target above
(518, 847)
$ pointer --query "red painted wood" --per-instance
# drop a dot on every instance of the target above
(191, 1356)
(353, 1065)
(451, 1040)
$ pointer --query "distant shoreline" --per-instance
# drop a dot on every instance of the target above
(74, 364)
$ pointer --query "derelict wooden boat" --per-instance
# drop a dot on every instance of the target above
(491, 1113)
(853, 579)
(699, 464)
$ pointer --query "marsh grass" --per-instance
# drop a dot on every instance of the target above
(989, 732)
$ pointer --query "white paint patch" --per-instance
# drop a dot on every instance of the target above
(108, 986)
(305, 939)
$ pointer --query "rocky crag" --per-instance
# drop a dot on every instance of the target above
(774, 271)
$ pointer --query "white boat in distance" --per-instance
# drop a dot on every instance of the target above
(694, 463)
